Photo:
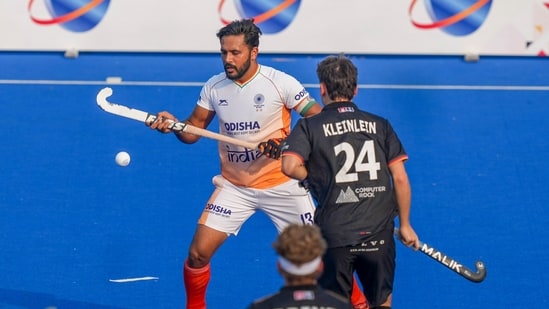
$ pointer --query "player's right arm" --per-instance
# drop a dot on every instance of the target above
(293, 163)
(293, 167)
(200, 117)
(403, 194)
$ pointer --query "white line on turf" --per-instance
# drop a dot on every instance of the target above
(124, 280)
(200, 84)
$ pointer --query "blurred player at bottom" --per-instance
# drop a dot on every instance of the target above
(300, 249)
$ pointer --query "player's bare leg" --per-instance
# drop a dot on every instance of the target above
(196, 272)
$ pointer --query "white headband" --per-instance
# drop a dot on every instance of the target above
(303, 269)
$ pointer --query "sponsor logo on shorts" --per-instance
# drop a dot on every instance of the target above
(218, 210)
(368, 246)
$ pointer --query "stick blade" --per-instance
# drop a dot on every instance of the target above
(102, 96)
(477, 276)
(116, 109)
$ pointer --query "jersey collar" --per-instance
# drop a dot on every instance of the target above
(336, 105)
(251, 78)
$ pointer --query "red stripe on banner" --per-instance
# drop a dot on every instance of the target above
(259, 18)
(67, 17)
(450, 20)
(273, 12)
(219, 7)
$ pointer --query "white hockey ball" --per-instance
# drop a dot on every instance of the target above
(122, 158)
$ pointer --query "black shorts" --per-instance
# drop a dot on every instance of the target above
(374, 263)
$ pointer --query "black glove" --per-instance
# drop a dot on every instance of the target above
(304, 184)
(272, 148)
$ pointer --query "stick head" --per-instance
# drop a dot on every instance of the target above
(118, 109)
(102, 97)
(480, 274)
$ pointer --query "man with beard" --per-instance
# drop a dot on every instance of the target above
(254, 103)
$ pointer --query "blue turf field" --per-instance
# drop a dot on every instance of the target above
(71, 220)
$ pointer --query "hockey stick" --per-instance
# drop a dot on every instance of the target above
(475, 276)
(145, 117)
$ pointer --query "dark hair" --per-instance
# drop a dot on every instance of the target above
(340, 76)
(244, 26)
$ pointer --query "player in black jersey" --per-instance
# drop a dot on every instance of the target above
(353, 163)
(300, 248)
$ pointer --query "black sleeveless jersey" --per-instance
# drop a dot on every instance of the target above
(347, 153)
(301, 297)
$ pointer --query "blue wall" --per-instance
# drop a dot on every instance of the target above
(71, 219)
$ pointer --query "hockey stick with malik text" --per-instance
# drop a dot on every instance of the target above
(145, 117)
(475, 276)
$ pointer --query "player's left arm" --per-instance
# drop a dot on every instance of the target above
(297, 97)
(308, 107)
(293, 167)
(403, 194)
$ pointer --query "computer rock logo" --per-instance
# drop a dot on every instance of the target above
(73, 15)
(272, 16)
(455, 17)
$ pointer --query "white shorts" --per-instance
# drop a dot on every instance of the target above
(230, 206)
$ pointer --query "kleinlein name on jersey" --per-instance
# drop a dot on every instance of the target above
(349, 126)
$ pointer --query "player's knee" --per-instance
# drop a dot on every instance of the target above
(197, 260)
